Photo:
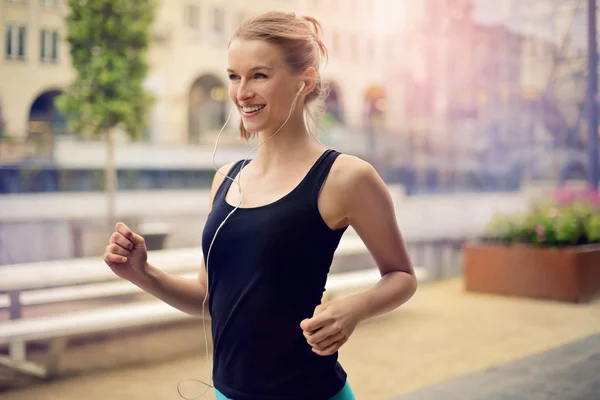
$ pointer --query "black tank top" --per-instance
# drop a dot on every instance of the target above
(266, 273)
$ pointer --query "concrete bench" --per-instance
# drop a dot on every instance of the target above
(79, 279)
(58, 328)
(78, 292)
(52, 281)
(61, 281)
(88, 278)
(183, 262)
(119, 288)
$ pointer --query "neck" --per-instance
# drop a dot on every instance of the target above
(285, 146)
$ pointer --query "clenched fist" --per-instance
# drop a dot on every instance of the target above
(331, 325)
(126, 254)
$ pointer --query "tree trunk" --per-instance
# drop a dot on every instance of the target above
(110, 172)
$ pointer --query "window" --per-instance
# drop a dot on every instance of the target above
(218, 20)
(191, 17)
(15, 39)
(49, 46)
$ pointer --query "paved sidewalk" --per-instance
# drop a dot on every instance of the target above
(568, 372)
(442, 334)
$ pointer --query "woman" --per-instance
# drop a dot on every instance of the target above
(268, 264)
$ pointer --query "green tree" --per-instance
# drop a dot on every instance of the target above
(108, 42)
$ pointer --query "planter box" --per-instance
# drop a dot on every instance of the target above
(570, 274)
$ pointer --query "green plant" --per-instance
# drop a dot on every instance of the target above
(567, 217)
(108, 44)
(592, 228)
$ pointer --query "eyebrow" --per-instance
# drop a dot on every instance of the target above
(254, 68)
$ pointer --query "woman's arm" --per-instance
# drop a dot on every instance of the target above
(184, 294)
(360, 198)
(369, 208)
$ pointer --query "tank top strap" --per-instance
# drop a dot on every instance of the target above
(226, 184)
(318, 173)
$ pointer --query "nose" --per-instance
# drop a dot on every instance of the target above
(244, 92)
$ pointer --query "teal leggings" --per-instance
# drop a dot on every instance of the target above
(344, 394)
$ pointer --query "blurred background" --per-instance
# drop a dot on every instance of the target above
(442, 96)
(465, 107)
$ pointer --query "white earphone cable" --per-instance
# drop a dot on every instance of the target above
(210, 385)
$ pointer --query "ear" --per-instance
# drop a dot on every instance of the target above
(309, 77)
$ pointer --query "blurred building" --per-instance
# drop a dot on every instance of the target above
(491, 84)
(34, 66)
(359, 109)
(188, 58)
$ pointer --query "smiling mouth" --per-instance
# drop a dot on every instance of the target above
(250, 111)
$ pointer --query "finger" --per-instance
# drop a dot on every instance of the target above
(319, 309)
(315, 337)
(111, 258)
(118, 250)
(325, 343)
(314, 323)
(124, 230)
(330, 349)
(138, 241)
(121, 240)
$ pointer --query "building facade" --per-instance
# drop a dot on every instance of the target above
(187, 58)
(493, 84)
(34, 66)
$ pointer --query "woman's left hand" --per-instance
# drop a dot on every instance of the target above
(331, 325)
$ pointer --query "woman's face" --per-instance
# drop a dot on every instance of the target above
(260, 84)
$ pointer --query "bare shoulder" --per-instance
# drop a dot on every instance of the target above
(350, 172)
(218, 180)
(356, 187)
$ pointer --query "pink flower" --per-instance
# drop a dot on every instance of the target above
(564, 195)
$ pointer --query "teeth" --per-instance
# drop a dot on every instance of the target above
(252, 109)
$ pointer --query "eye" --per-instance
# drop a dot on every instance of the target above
(260, 75)
(233, 77)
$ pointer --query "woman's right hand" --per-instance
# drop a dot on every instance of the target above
(126, 254)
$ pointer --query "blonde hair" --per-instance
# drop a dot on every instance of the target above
(300, 41)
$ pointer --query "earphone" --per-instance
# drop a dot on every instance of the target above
(238, 183)
(301, 88)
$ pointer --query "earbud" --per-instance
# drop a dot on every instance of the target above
(301, 88)
(209, 385)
